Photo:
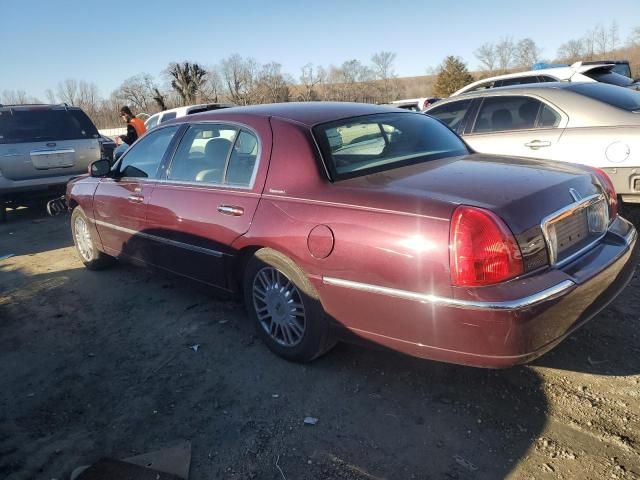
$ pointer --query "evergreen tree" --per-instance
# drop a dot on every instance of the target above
(453, 76)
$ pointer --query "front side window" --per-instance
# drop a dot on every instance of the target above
(499, 114)
(168, 116)
(373, 143)
(215, 154)
(143, 158)
(451, 114)
(152, 122)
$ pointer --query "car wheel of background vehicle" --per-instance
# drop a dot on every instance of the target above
(92, 258)
(285, 307)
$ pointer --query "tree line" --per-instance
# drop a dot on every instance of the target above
(244, 81)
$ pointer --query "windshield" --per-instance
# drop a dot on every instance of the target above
(44, 125)
(623, 98)
(373, 143)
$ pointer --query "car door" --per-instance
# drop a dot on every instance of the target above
(517, 125)
(207, 198)
(120, 201)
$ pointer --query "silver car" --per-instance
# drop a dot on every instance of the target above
(41, 148)
(590, 123)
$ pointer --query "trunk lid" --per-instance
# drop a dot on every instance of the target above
(521, 191)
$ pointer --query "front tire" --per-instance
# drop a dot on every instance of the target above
(85, 245)
(285, 308)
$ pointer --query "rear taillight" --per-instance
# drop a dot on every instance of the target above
(609, 190)
(425, 104)
(483, 250)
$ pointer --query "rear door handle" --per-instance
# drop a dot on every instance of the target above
(537, 144)
(232, 210)
(136, 198)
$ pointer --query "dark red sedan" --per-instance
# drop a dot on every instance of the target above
(331, 218)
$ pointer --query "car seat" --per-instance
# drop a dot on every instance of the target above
(501, 119)
(215, 156)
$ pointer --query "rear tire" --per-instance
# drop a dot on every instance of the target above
(285, 307)
(84, 242)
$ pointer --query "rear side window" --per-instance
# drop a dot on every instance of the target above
(519, 81)
(607, 76)
(143, 158)
(547, 78)
(451, 114)
(623, 98)
(20, 125)
(507, 113)
(482, 86)
(374, 143)
(216, 154)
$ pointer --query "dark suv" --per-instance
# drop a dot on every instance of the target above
(41, 148)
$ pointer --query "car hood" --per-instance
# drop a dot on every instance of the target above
(522, 191)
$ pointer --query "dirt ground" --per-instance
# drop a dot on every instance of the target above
(97, 364)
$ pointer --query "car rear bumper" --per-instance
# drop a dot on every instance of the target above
(10, 188)
(502, 325)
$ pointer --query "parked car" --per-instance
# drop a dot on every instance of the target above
(578, 72)
(414, 104)
(172, 113)
(590, 123)
(379, 222)
(621, 67)
(41, 148)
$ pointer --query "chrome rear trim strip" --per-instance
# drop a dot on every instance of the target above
(518, 303)
(166, 241)
(37, 153)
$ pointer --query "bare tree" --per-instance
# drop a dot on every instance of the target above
(571, 51)
(384, 72)
(214, 86)
(140, 92)
(188, 80)
(527, 53)
(505, 50)
(309, 79)
(68, 91)
(239, 77)
(487, 56)
(634, 37)
(601, 38)
(50, 96)
(272, 85)
(16, 97)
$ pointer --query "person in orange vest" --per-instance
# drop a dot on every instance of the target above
(135, 126)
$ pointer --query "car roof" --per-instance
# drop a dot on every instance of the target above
(38, 106)
(562, 73)
(306, 113)
(523, 88)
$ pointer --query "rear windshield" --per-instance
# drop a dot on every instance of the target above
(373, 143)
(607, 76)
(623, 98)
(41, 125)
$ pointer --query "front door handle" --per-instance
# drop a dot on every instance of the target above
(534, 144)
(232, 210)
(136, 198)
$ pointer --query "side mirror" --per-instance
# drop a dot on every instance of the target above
(100, 168)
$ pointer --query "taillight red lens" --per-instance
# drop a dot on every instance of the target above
(425, 104)
(610, 190)
(483, 249)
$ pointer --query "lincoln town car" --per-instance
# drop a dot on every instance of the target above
(337, 221)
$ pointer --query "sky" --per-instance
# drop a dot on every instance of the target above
(47, 41)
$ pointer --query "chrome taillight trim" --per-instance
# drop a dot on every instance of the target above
(564, 213)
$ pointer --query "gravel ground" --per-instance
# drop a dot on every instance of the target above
(97, 364)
